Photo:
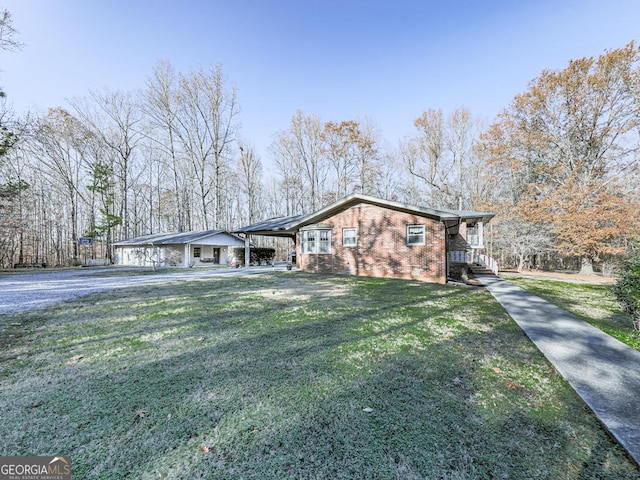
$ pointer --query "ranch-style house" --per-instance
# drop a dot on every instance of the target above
(364, 235)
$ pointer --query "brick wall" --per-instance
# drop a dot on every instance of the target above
(459, 240)
(381, 249)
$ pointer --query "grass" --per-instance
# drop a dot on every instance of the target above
(114, 271)
(595, 304)
(293, 376)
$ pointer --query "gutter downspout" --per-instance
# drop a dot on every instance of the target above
(446, 247)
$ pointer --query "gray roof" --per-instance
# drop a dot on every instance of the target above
(471, 214)
(273, 226)
(173, 238)
(287, 226)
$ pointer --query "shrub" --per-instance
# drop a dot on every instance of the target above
(627, 289)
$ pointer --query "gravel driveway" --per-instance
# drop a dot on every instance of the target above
(26, 290)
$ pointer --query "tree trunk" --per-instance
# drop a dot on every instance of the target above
(587, 266)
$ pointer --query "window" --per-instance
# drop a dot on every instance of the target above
(196, 252)
(475, 235)
(309, 241)
(415, 234)
(349, 237)
(325, 241)
(316, 241)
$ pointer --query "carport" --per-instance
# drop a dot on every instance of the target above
(273, 227)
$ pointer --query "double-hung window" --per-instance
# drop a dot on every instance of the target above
(309, 241)
(415, 234)
(474, 235)
(324, 244)
(349, 237)
(316, 241)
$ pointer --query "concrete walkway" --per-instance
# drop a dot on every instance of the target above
(602, 370)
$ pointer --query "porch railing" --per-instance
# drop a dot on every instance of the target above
(484, 260)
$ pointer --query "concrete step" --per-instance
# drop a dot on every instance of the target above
(480, 270)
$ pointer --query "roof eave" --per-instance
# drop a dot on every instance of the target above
(355, 198)
(288, 226)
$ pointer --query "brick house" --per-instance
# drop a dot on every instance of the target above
(363, 235)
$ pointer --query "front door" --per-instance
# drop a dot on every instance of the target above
(216, 255)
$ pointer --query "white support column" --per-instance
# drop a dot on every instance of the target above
(247, 249)
(187, 255)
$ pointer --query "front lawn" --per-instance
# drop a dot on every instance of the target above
(595, 304)
(291, 375)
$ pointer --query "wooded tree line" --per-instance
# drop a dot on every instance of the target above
(566, 156)
(559, 165)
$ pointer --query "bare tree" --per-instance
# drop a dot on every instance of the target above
(14, 211)
(520, 239)
(207, 127)
(350, 148)
(443, 158)
(460, 141)
(298, 155)
(60, 144)
(339, 147)
(8, 32)
(249, 182)
(7, 42)
(425, 159)
(287, 164)
(389, 183)
(160, 106)
(115, 118)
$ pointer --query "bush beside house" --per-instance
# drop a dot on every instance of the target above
(627, 288)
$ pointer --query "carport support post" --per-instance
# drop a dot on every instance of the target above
(247, 249)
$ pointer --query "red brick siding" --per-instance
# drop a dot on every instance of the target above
(459, 240)
(382, 249)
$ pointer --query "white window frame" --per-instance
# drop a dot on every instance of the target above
(476, 239)
(324, 242)
(308, 240)
(350, 240)
(316, 241)
(197, 252)
(414, 234)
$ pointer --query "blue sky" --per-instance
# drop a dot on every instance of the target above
(384, 61)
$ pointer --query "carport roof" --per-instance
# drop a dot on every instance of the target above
(172, 238)
(277, 226)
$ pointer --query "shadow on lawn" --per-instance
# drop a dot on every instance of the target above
(199, 318)
(292, 415)
(241, 399)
